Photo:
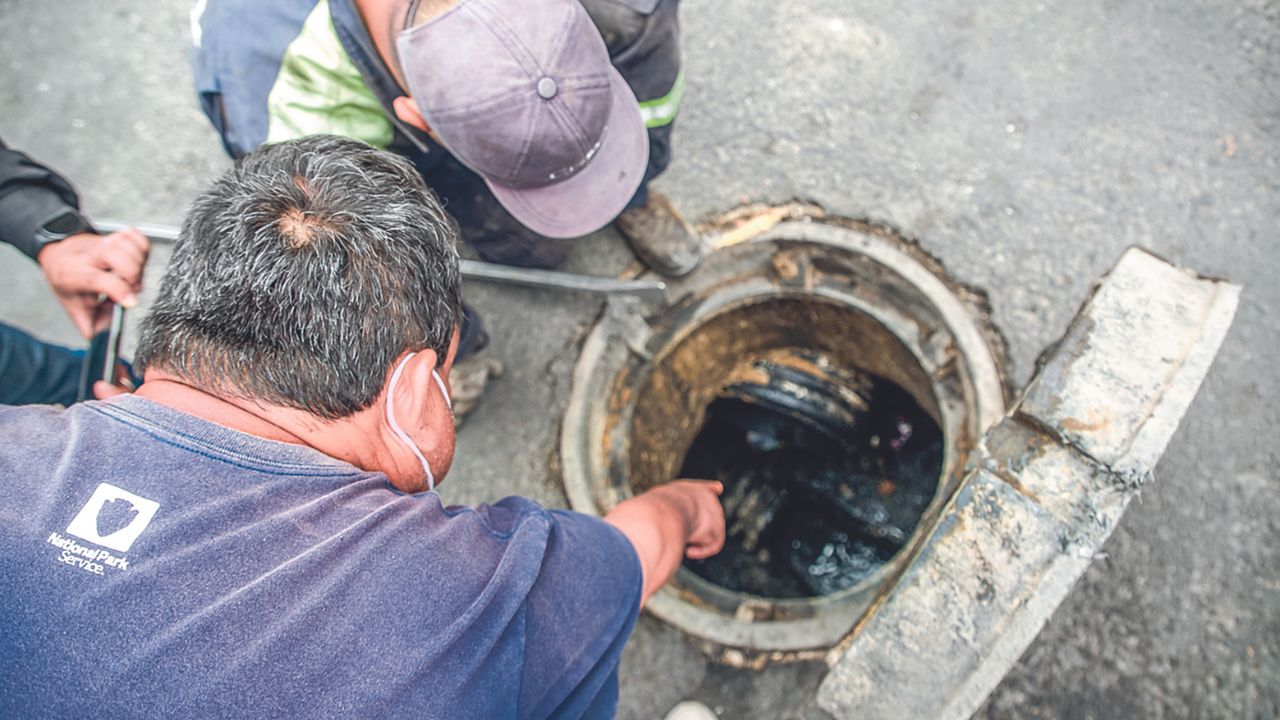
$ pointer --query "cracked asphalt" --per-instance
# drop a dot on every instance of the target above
(1024, 144)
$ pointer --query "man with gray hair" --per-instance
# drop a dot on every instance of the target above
(256, 532)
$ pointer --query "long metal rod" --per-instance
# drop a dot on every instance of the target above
(648, 290)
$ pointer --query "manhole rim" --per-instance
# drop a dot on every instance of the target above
(826, 625)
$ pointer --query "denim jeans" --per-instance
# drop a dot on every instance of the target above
(36, 372)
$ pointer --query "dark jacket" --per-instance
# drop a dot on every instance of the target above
(30, 196)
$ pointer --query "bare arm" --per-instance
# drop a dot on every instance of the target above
(669, 522)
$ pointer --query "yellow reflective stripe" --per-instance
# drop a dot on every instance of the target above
(319, 90)
(662, 111)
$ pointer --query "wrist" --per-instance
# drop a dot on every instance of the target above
(679, 507)
(58, 228)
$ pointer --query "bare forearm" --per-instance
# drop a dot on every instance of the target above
(658, 527)
(668, 523)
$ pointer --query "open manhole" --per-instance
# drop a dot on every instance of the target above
(832, 378)
(827, 469)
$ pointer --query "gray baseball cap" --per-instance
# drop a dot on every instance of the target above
(524, 94)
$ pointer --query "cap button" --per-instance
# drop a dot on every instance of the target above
(547, 88)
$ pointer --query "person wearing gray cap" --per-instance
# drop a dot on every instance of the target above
(542, 116)
(536, 121)
(555, 113)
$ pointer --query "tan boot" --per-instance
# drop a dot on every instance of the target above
(467, 381)
(660, 237)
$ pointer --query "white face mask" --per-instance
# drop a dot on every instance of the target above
(395, 426)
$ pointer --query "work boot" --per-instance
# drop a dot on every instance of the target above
(467, 381)
(660, 237)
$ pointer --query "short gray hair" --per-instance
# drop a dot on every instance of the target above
(302, 274)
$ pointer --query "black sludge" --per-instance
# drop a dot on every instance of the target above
(823, 484)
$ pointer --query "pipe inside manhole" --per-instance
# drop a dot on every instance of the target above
(833, 379)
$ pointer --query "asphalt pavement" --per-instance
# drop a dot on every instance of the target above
(1023, 144)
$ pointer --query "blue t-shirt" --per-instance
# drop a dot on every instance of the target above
(153, 564)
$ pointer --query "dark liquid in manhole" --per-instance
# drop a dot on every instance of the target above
(819, 492)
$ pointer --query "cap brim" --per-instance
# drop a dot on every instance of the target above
(596, 194)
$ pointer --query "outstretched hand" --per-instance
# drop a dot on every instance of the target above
(705, 514)
(84, 267)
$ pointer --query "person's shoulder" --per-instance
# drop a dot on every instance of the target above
(592, 561)
(574, 547)
(579, 615)
(34, 413)
(33, 422)
(222, 13)
(33, 431)
(503, 517)
(582, 536)
(220, 40)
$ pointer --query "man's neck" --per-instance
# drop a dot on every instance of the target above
(361, 439)
(246, 416)
(382, 19)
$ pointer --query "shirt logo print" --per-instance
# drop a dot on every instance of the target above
(113, 518)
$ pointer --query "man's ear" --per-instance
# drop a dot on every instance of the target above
(422, 413)
(407, 110)
(418, 401)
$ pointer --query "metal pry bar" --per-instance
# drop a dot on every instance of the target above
(646, 290)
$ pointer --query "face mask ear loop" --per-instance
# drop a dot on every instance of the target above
(395, 426)
(444, 391)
